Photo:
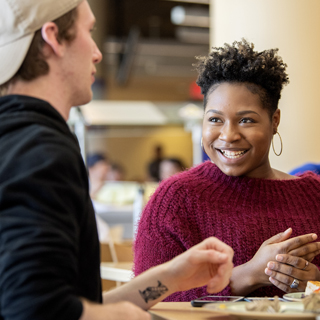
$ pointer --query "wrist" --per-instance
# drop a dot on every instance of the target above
(243, 280)
(165, 275)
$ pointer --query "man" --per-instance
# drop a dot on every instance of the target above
(49, 249)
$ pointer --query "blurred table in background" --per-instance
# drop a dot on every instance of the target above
(121, 203)
(116, 215)
(119, 271)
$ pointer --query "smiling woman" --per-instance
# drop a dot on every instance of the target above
(266, 215)
(237, 132)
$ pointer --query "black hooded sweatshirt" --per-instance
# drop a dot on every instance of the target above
(49, 247)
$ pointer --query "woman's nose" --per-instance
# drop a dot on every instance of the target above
(229, 133)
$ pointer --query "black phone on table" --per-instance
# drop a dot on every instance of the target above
(251, 299)
(199, 302)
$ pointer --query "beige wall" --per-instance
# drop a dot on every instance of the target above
(293, 26)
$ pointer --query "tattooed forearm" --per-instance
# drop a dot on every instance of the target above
(153, 293)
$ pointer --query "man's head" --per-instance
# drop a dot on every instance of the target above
(20, 26)
(47, 51)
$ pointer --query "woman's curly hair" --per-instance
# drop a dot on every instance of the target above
(264, 72)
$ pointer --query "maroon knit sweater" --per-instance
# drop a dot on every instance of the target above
(242, 212)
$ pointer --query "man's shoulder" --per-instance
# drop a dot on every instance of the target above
(32, 124)
(28, 116)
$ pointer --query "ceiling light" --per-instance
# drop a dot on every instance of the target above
(195, 17)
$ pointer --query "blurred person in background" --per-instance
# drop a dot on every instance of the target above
(170, 166)
(154, 165)
(49, 247)
(313, 167)
(99, 168)
(116, 172)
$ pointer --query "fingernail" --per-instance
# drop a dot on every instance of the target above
(314, 236)
(270, 265)
(267, 271)
(279, 258)
(222, 256)
(289, 229)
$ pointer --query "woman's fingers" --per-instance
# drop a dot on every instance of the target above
(283, 283)
(289, 260)
(309, 257)
(287, 269)
(283, 274)
(298, 242)
(311, 249)
(279, 237)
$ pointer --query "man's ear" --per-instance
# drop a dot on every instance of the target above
(276, 120)
(49, 32)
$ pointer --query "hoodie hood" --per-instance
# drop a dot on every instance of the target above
(18, 111)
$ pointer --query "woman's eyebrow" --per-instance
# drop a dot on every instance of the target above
(215, 111)
(241, 113)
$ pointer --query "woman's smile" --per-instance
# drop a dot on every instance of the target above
(232, 154)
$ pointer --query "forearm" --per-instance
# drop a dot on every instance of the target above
(207, 263)
(145, 290)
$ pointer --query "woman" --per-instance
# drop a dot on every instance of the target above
(238, 197)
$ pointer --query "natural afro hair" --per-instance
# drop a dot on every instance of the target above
(239, 63)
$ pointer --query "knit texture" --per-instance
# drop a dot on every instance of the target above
(242, 212)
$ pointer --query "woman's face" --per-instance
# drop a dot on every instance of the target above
(237, 131)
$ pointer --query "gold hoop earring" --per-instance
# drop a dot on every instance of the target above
(277, 154)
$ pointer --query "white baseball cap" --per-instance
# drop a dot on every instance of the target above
(19, 19)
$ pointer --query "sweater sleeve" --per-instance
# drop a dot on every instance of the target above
(40, 196)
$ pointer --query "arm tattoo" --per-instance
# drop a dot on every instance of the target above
(153, 293)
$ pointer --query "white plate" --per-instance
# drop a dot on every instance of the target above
(295, 296)
(288, 311)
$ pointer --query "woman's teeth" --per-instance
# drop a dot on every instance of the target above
(233, 154)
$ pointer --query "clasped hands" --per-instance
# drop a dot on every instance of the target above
(289, 259)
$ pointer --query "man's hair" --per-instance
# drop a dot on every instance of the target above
(35, 64)
(262, 72)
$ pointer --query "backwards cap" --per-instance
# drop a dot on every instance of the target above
(19, 19)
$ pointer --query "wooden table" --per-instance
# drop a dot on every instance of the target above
(184, 311)
(120, 271)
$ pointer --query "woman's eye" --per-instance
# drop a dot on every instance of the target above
(215, 119)
(247, 120)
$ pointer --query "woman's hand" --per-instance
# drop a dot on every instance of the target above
(301, 246)
(251, 276)
(288, 268)
(280, 243)
(207, 263)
